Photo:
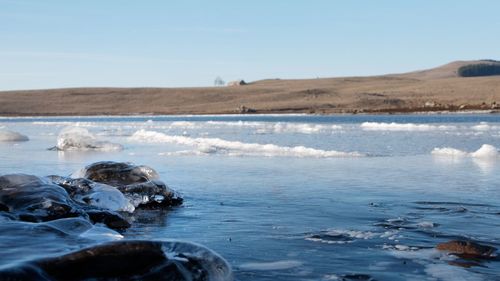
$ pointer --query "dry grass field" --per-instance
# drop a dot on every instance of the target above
(429, 90)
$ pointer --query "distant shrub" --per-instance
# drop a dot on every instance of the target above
(480, 69)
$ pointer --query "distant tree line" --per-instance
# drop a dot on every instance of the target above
(481, 69)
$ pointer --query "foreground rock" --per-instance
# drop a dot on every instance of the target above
(69, 209)
(103, 191)
(467, 249)
(127, 260)
(33, 199)
(140, 184)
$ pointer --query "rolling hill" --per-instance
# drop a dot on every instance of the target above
(441, 88)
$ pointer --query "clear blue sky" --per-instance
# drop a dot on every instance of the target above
(79, 43)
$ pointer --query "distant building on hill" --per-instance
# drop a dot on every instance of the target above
(237, 83)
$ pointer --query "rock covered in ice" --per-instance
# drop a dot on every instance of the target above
(82, 228)
(34, 199)
(80, 139)
(140, 184)
(95, 194)
(11, 136)
(130, 260)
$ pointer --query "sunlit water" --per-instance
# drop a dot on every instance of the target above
(331, 197)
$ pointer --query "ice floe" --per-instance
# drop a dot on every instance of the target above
(279, 127)
(276, 265)
(236, 148)
(375, 126)
(77, 138)
(11, 136)
(486, 151)
(484, 126)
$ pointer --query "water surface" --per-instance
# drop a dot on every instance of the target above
(332, 196)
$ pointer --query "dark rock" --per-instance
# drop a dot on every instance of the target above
(127, 260)
(34, 199)
(140, 184)
(467, 249)
(4, 208)
(119, 173)
(110, 219)
(364, 277)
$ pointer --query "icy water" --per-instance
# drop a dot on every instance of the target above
(294, 197)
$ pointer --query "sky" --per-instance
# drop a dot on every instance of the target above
(188, 43)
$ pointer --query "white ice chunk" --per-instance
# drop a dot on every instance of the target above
(11, 136)
(76, 138)
(486, 151)
(448, 151)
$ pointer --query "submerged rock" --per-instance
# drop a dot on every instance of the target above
(364, 277)
(127, 260)
(140, 184)
(467, 249)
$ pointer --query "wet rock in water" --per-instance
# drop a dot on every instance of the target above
(336, 236)
(467, 249)
(34, 199)
(140, 184)
(364, 277)
(110, 219)
(129, 260)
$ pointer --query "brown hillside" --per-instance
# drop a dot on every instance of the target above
(428, 90)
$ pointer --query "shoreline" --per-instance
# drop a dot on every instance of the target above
(90, 115)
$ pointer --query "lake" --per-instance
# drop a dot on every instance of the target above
(292, 197)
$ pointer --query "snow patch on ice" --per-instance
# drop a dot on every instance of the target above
(486, 151)
(279, 127)
(375, 126)
(448, 151)
(236, 148)
(484, 126)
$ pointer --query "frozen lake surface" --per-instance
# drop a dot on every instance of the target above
(290, 197)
